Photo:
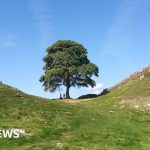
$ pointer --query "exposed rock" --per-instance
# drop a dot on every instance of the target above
(148, 105)
(145, 73)
(136, 106)
(59, 145)
(141, 103)
(18, 95)
(111, 111)
(142, 77)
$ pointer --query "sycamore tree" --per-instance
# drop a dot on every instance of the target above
(66, 64)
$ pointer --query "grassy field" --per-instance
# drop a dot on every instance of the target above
(119, 120)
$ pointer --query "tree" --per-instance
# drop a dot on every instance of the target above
(66, 63)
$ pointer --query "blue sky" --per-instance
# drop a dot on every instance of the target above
(115, 32)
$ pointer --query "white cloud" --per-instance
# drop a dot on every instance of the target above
(97, 89)
(98, 85)
(97, 92)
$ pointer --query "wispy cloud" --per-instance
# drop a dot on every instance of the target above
(8, 40)
(43, 18)
(97, 89)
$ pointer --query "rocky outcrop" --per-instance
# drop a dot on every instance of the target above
(145, 73)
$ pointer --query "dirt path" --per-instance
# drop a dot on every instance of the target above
(76, 100)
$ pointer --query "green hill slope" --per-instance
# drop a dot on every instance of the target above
(119, 120)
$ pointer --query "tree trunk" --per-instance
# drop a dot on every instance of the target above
(67, 85)
(67, 91)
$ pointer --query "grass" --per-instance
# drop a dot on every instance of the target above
(99, 124)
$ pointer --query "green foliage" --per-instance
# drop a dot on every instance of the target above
(66, 63)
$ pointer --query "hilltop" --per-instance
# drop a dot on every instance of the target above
(118, 120)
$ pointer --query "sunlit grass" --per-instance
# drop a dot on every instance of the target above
(100, 124)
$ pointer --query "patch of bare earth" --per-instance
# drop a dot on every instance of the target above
(137, 102)
(67, 136)
(75, 100)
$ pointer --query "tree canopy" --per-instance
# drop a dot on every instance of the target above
(66, 63)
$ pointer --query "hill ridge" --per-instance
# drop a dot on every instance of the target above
(139, 75)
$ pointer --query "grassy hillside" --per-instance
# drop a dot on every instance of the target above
(119, 120)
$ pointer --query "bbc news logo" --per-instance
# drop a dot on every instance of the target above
(13, 133)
